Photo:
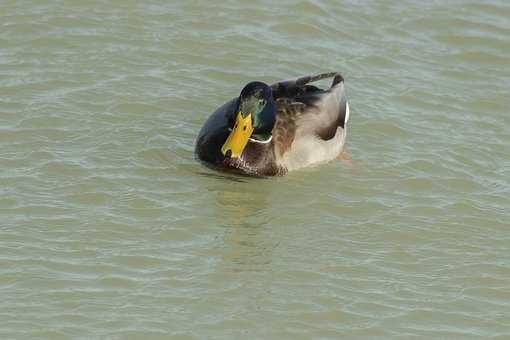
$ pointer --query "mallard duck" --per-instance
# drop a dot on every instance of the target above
(272, 129)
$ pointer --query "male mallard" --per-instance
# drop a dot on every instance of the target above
(269, 130)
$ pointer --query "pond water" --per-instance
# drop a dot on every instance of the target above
(109, 227)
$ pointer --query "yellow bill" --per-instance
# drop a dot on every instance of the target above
(239, 137)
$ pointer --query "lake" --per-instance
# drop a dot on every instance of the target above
(110, 229)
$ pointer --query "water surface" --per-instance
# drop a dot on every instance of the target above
(109, 228)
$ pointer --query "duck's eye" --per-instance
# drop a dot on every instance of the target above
(244, 128)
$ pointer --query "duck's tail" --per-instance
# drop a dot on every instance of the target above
(290, 87)
(337, 78)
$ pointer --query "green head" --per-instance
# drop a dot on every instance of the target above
(255, 118)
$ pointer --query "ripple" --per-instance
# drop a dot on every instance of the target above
(111, 229)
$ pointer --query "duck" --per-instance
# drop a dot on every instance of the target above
(269, 130)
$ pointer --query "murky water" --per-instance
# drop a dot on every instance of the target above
(110, 228)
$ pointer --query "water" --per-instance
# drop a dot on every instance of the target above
(111, 229)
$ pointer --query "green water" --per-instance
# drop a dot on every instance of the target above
(109, 228)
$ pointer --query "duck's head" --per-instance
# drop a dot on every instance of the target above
(255, 118)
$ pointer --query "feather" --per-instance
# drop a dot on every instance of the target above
(309, 127)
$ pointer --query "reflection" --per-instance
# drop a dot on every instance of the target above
(244, 210)
(220, 176)
(231, 175)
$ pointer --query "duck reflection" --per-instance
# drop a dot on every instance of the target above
(245, 211)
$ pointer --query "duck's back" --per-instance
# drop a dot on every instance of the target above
(311, 122)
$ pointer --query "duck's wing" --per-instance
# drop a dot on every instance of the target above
(300, 86)
(306, 110)
(285, 127)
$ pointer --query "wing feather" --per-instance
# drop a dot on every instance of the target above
(305, 110)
